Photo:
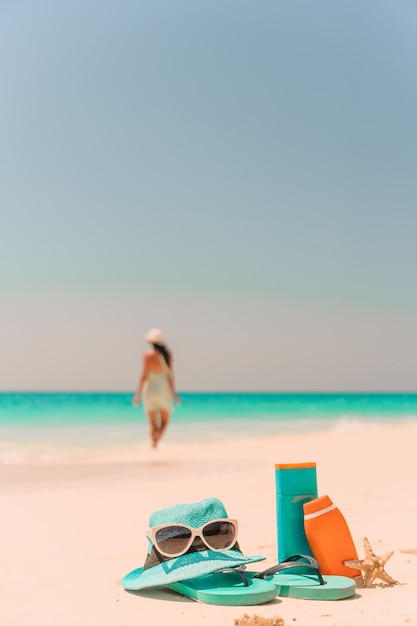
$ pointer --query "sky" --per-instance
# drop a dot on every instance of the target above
(240, 174)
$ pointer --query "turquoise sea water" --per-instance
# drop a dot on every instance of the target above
(97, 419)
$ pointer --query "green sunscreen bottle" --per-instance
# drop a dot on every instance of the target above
(296, 483)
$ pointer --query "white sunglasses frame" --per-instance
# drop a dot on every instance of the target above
(195, 532)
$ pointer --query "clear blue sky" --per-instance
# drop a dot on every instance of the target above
(240, 174)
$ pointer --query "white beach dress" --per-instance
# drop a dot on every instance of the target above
(157, 394)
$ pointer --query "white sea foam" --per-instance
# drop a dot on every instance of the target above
(350, 422)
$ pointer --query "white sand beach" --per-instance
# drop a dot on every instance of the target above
(72, 529)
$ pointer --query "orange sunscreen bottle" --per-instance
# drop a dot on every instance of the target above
(329, 537)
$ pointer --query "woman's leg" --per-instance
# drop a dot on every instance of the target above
(164, 423)
(154, 427)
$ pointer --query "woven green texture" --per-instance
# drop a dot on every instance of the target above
(194, 515)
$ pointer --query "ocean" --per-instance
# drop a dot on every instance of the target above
(44, 421)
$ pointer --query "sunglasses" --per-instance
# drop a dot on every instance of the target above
(175, 539)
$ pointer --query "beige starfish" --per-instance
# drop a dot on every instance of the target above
(372, 566)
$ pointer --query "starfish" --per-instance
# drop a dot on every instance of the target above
(372, 566)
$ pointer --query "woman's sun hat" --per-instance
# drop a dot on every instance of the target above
(155, 335)
(199, 560)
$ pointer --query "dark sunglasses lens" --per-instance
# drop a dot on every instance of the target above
(220, 535)
(173, 539)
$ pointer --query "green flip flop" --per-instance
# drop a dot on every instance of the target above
(225, 588)
(314, 586)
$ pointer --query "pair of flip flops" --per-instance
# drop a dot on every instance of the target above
(236, 587)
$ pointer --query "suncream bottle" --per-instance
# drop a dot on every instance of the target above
(329, 537)
(296, 484)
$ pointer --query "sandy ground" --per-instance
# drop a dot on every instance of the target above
(71, 530)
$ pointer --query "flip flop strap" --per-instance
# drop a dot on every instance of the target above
(238, 570)
(291, 562)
